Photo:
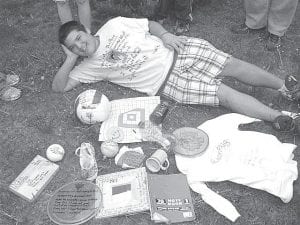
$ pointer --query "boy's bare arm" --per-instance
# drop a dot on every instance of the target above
(170, 40)
(61, 81)
(156, 29)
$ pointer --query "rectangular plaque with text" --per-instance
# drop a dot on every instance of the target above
(32, 180)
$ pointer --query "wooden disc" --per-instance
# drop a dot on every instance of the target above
(190, 141)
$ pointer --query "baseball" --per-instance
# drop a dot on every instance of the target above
(55, 152)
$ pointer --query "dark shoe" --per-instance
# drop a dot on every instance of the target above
(284, 123)
(182, 27)
(274, 42)
(241, 29)
(292, 86)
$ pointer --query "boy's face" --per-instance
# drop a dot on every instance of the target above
(81, 43)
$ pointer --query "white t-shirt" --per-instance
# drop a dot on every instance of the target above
(128, 55)
(251, 158)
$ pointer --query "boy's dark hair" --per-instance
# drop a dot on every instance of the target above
(67, 28)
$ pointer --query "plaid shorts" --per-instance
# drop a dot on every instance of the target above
(193, 78)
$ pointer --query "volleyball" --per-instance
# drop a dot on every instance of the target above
(91, 106)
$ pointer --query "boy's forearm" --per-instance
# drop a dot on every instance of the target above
(156, 29)
(170, 40)
(62, 76)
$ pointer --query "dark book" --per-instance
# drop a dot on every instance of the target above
(170, 198)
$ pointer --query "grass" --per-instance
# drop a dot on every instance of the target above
(29, 48)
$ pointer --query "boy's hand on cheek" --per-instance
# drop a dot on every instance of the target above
(174, 42)
(69, 54)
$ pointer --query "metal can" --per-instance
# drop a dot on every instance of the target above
(159, 113)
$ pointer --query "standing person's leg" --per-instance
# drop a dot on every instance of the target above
(183, 14)
(256, 16)
(64, 11)
(256, 13)
(280, 17)
(84, 13)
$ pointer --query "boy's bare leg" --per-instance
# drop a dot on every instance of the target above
(84, 13)
(64, 11)
(245, 104)
(251, 74)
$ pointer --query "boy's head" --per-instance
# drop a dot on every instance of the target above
(73, 35)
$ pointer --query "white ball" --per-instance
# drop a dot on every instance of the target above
(55, 152)
(109, 149)
(91, 106)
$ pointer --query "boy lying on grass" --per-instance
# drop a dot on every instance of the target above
(142, 55)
